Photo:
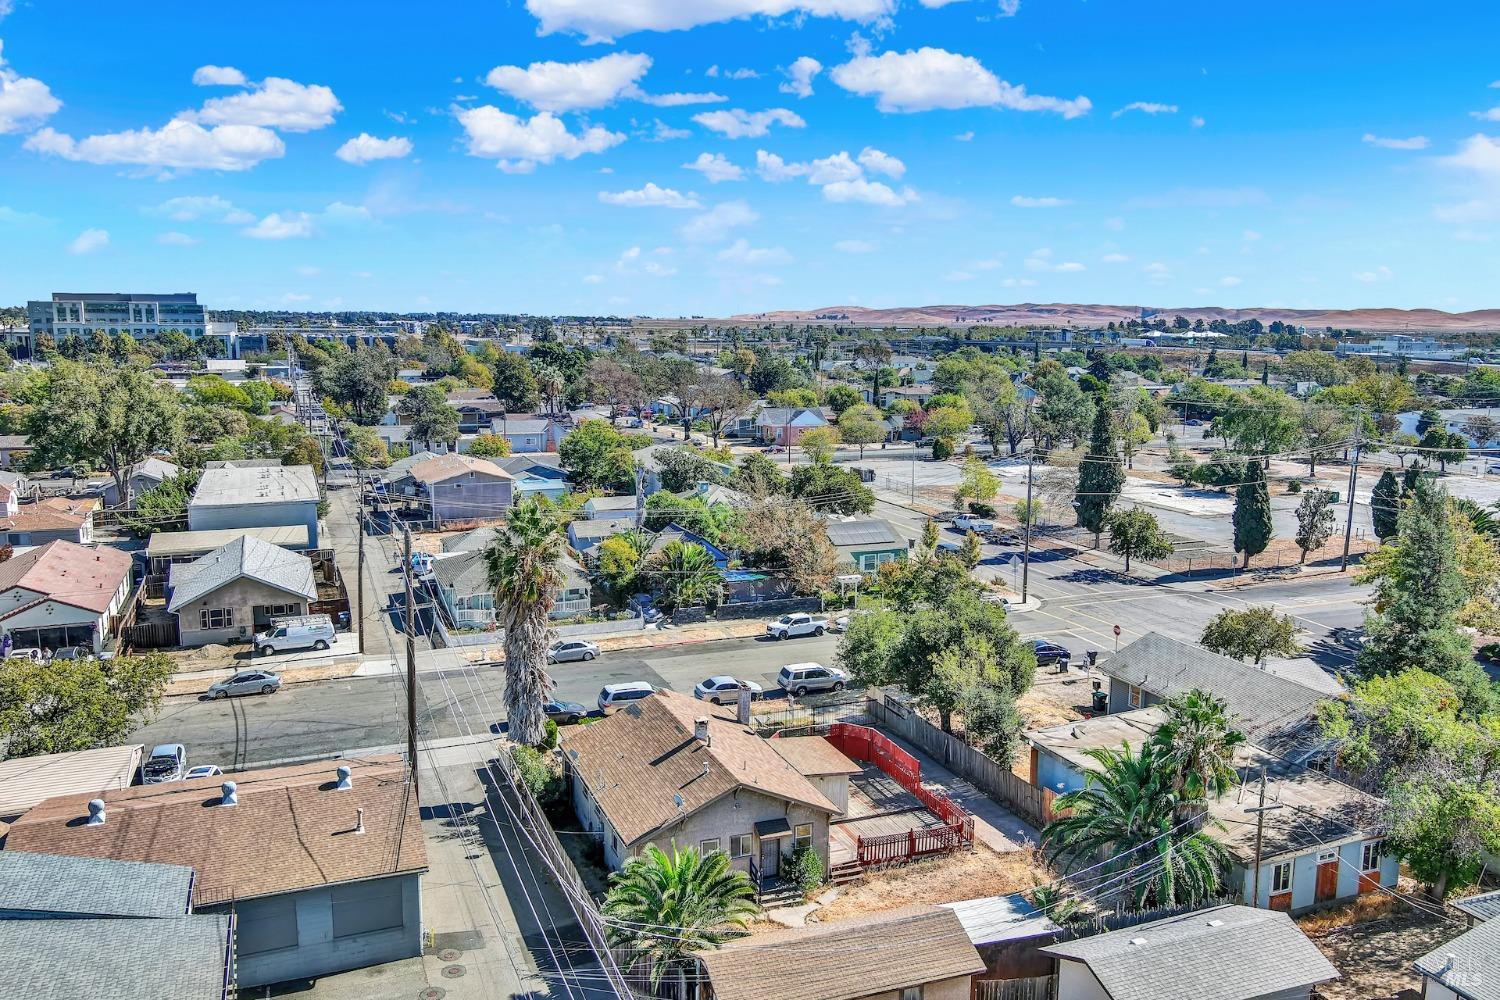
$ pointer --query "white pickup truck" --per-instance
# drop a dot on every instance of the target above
(789, 626)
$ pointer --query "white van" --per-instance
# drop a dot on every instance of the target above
(287, 634)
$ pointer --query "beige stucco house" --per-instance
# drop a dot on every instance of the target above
(237, 589)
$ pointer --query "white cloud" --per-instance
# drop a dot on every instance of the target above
(211, 208)
(956, 275)
(741, 252)
(663, 132)
(1231, 281)
(632, 262)
(773, 168)
(602, 22)
(678, 99)
(218, 76)
(1491, 115)
(282, 226)
(800, 76)
(716, 167)
(176, 239)
(1250, 236)
(88, 241)
(1041, 260)
(1197, 121)
(877, 162)
(1009, 8)
(737, 123)
(24, 101)
(518, 145)
(1415, 142)
(716, 224)
(365, 147)
(273, 103)
(1018, 283)
(1146, 107)
(964, 136)
(1115, 258)
(558, 86)
(650, 196)
(928, 78)
(593, 279)
(309, 271)
(869, 192)
(1114, 224)
(838, 167)
(1478, 153)
(1023, 201)
(855, 246)
(179, 144)
(1381, 273)
(1157, 273)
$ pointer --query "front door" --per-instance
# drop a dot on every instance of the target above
(770, 858)
(1328, 878)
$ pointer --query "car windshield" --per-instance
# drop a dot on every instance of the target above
(786, 619)
(161, 765)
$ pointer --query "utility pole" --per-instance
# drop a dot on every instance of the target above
(411, 661)
(1260, 826)
(1026, 555)
(1353, 481)
(359, 623)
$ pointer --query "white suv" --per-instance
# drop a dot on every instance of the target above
(617, 696)
(800, 678)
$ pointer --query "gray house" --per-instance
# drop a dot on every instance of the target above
(256, 498)
(672, 770)
(462, 488)
(146, 474)
(237, 590)
(1466, 968)
(320, 865)
(461, 581)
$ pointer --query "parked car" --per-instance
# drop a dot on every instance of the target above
(1195, 422)
(615, 695)
(565, 713)
(970, 522)
(304, 632)
(1048, 652)
(167, 762)
(72, 653)
(246, 682)
(202, 771)
(790, 626)
(800, 678)
(572, 649)
(724, 689)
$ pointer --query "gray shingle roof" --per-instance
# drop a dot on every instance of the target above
(245, 557)
(63, 886)
(1268, 707)
(865, 531)
(468, 573)
(1469, 965)
(1222, 953)
(178, 959)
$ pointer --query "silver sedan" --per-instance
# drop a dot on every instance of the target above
(572, 649)
(246, 682)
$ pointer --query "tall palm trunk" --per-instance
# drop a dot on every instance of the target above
(527, 687)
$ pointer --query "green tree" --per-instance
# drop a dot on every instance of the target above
(861, 424)
(840, 398)
(432, 420)
(683, 575)
(620, 562)
(1135, 534)
(1251, 634)
(488, 445)
(1252, 512)
(683, 468)
(164, 506)
(820, 443)
(522, 568)
(1100, 477)
(929, 537)
(367, 450)
(1385, 505)
(1427, 420)
(596, 456)
(948, 423)
(515, 384)
(1445, 829)
(1028, 512)
(976, 482)
(63, 706)
(836, 488)
(358, 382)
(662, 909)
(1260, 423)
(1314, 521)
(791, 537)
(1445, 446)
(759, 476)
(971, 552)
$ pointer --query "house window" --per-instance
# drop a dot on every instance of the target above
(216, 618)
(739, 845)
(1281, 877)
(1369, 856)
(911, 993)
(803, 836)
(365, 907)
(1137, 696)
(707, 847)
(264, 925)
(281, 610)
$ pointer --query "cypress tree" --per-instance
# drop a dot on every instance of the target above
(1100, 476)
(1252, 512)
(1385, 505)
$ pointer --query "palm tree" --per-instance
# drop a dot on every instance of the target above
(550, 383)
(1127, 811)
(523, 572)
(683, 575)
(664, 908)
(1197, 744)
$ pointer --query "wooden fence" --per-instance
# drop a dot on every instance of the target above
(1034, 988)
(990, 776)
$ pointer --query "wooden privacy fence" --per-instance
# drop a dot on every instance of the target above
(1034, 988)
(990, 776)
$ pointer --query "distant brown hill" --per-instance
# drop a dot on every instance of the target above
(1076, 314)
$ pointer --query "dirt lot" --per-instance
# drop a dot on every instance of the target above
(1374, 946)
(1054, 699)
(964, 875)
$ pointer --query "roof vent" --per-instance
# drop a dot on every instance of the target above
(1216, 923)
(1138, 942)
(229, 798)
(700, 730)
(359, 821)
(345, 782)
(96, 812)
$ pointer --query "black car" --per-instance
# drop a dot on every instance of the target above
(1050, 652)
(565, 713)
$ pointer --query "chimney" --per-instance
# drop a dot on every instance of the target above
(345, 783)
(743, 713)
(228, 798)
(359, 821)
(96, 812)
(700, 730)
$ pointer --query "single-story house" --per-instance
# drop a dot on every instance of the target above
(256, 497)
(462, 488)
(144, 475)
(1466, 968)
(25, 781)
(50, 520)
(1221, 953)
(535, 477)
(165, 548)
(1008, 933)
(13, 448)
(20, 487)
(785, 425)
(716, 495)
(1321, 846)
(675, 532)
(648, 460)
(913, 953)
(461, 581)
(320, 863)
(671, 770)
(62, 594)
(527, 433)
(919, 394)
(88, 927)
(866, 542)
(237, 590)
(586, 535)
(610, 507)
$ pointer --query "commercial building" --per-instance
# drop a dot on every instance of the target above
(143, 315)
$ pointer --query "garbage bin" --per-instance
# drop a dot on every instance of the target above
(1093, 656)
(1101, 702)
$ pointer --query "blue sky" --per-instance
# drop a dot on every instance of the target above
(533, 156)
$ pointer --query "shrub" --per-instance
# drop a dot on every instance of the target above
(942, 449)
(549, 737)
(805, 870)
(1295, 486)
(539, 774)
(982, 509)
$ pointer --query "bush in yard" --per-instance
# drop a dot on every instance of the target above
(541, 778)
(942, 450)
(805, 870)
(982, 509)
(549, 737)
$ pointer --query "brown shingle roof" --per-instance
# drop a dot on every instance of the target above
(445, 467)
(636, 761)
(53, 514)
(290, 830)
(813, 755)
(865, 956)
(65, 571)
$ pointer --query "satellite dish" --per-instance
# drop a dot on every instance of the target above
(677, 800)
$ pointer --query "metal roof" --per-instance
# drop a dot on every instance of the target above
(1485, 906)
(244, 558)
(865, 531)
(1468, 964)
(1002, 918)
(62, 885)
(25, 781)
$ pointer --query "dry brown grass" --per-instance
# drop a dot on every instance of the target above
(948, 879)
(1373, 945)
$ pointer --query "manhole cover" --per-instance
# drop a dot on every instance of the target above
(432, 993)
(450, 955)
(453, 971)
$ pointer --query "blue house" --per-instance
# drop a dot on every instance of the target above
(534, 478)
(1319, 845)
(675, 532)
